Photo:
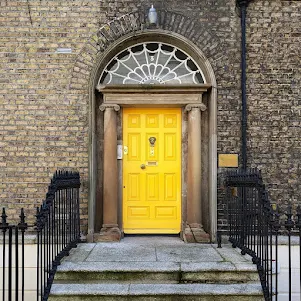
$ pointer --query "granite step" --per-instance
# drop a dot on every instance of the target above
(156, 269)
(147, 292)
(156, 272)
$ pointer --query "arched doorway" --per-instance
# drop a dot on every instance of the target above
(153, 74)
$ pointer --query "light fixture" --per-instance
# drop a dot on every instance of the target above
(152, 15)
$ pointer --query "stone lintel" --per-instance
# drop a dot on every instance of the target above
(153, 95)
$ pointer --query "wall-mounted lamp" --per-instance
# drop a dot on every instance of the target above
(152, 15)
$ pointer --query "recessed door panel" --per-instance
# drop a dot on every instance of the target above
(166, 212)
(136, 212)
(152, 121)
(152, 150)
(152, 170)
(134, 121)
(170, 147)
(170, 121)
(134, 146)
(152, 187)
(134, 187)
(170, 187)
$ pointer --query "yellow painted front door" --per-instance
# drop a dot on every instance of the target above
(152, 170)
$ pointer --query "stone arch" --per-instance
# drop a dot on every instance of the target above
(123, 31)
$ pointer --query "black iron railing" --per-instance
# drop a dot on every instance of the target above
(254, 227)
(57, 229)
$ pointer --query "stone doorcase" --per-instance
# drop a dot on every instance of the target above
(199, 154)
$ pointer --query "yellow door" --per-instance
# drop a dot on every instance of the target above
(152, 170)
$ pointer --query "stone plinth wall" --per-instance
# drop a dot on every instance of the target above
(283, 272)
(44, 94)
(30, 271)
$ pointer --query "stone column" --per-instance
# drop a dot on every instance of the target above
(110, 230)
(194, 230)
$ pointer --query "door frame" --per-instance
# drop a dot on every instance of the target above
(195, 100)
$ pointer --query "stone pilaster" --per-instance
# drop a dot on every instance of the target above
(194, 230)
(110, 230)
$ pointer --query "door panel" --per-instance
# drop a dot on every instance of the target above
(152, 170)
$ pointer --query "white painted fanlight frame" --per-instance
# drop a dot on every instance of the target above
(138, 64)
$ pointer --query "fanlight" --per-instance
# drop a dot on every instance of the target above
(152, 63)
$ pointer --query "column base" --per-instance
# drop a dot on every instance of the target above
(90, 237)
(194, 233)
(108, 233)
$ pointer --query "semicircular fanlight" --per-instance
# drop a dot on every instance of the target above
(152, 63)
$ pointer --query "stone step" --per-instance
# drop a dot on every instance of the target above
(155, 272)
(145, 292)
(219, 272)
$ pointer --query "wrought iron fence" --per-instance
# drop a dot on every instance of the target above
(254, 227)
(57, 229)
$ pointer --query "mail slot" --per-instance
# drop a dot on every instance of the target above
(152, 163)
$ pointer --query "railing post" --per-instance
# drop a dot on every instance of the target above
(16, 263)
(277, 227)
(38, 227)
(4, 227)
(10, 243)
(298, 226)
(289, 225)
(219, 239)
(22, 226)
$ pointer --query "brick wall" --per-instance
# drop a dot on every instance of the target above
(44, 99)
(43, 127)
(274, 98)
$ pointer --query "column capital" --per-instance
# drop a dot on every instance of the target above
(104, 106)
(199, 106)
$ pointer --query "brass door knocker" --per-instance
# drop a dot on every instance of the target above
(152, 141)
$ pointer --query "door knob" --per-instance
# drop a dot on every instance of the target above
(142, 166)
